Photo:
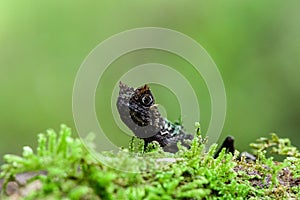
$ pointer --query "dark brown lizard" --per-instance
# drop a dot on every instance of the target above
(139, 112)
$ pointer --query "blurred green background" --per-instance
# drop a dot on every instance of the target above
(255, 44)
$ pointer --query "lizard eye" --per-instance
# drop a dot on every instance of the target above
(147, 100)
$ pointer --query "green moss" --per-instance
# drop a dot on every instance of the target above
(72, 172)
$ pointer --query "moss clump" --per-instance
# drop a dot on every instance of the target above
(71, 172)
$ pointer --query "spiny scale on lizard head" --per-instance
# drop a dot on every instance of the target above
(139, 112)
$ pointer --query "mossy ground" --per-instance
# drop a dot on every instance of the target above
(66, 170)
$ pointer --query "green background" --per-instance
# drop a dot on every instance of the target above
(255, 44)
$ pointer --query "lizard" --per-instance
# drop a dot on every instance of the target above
(137, 109)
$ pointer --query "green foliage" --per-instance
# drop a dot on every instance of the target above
(280, 146)
(72, 173)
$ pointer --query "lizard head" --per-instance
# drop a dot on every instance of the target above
(140, 105)
(138, 111)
